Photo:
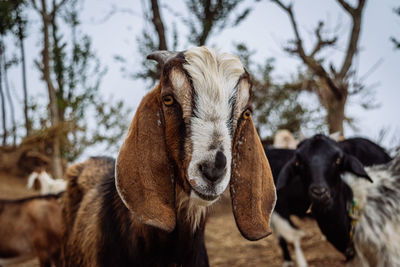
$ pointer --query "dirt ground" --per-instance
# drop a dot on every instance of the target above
(225, 245)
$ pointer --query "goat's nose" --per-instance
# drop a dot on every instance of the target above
(318, 191)
(216, 170)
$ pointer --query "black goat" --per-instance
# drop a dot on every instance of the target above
(365, 151)
(293, 198)
(322, 164)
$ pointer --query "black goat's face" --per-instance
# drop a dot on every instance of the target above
(320, 162)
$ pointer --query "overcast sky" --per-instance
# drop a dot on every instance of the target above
(266, 31)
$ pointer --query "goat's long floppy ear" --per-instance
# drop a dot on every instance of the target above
(143, 172)
(353, 165)
(286, 174)
(252, 186)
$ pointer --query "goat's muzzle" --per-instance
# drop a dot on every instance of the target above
(214, 171)
(320, 194)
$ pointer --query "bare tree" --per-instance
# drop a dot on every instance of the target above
(2, 98)
(20, 32)
(332, 85)
(44, 66)
(208, 16)
(394, 40)
(6, 64)
(158, 25)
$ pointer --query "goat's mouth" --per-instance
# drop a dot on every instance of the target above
(325, 200)
(206, 197)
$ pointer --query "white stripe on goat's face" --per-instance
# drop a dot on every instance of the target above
(210, 113)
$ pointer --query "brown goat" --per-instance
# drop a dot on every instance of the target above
(31, 227)
(192, 135)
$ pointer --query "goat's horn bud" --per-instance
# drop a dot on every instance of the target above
(162, 56)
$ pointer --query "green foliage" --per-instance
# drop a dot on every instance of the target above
(205, 18)
(149, 70)
(210, 16)
(277, 105)
(78, 74)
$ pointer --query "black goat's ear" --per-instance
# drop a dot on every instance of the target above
(353, 165)
(162, 56)
(287, 173)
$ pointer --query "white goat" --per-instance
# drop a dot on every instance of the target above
(285, 139)
(48, 185)
(377, 229)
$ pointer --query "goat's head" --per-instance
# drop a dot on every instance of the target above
(320, 162)
(194, 130)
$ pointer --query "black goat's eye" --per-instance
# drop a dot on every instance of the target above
(168, 100)
(246, 114)
(297, 163)
(338, 161)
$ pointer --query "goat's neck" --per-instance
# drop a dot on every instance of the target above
(334, 221)
(189, 212)
(147, 245)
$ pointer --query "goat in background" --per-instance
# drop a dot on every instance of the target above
(47, 184)
(192, 135)
(31, 227)
(293, 198)
(349, 209)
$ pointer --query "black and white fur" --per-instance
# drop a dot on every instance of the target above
(377, 231)
(293, 199)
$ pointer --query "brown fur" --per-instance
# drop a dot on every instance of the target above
(31, 227)
(81, 178)
(252, 188)
(151, 179)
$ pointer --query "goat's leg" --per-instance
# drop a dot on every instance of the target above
(300, 259)
(286, 254)
(288, 232)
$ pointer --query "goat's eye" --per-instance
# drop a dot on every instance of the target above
(338, 161)
(246, 114)
(297, 163)
(168, 100)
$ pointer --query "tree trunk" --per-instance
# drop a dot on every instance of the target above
(9, 99)
(335, 116)
(56, 162)
(335, 107)
(28, 126)
(3, 104)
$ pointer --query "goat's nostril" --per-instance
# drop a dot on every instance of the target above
(220, 161)
(318, 191)
(214, 171)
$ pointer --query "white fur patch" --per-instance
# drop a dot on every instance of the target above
(192, 209)
(214, 76)
(292, 235)
(182, 92)
(377, 232)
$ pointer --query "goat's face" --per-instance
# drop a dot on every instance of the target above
(210, 93)
(201, 136)
(320, 162)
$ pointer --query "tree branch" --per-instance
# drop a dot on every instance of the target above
(356, 14)
(35, 5)
(321, 42)
(316, 67)
(158, 25)
(346, 6)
